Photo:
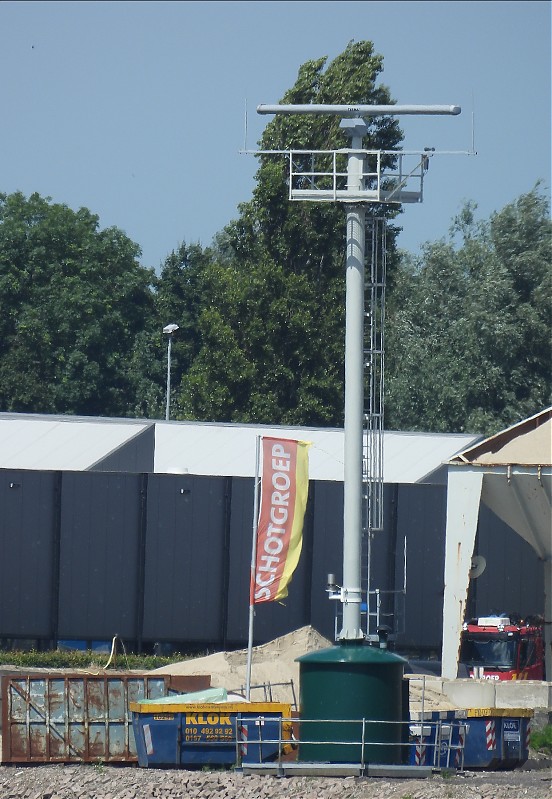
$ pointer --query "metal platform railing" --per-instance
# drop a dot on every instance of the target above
(388, 176)
(437, 744)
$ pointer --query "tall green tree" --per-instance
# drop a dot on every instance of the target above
(272, 329)
(469, 325)
(302, 236)
(73, 300)
(242, 371)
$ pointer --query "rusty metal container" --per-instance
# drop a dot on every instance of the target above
(79, 717)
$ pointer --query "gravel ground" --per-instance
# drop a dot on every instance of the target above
(130, 782)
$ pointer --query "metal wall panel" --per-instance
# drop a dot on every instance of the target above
(78, 717)
(327, 554)
(135, 455)
(177, 554)
(185, 559)
(421, 517)
(386, 564)
(386, 569)
(241, 536)
(99, 558)
(28, 546)
(513, 580)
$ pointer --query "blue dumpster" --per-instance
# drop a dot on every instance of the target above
(197, 734)
(498, 738)
(491, 738)
(438, 739)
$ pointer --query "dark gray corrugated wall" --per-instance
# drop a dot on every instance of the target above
(28, 547)
(185, 556)
(513, 580)
(135, 455)
(167, 558)
(421, 518)
(99, 552)
(327, 553)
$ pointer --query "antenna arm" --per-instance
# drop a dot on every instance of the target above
(360, 110)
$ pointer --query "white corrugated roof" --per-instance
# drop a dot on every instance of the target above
(228, 449)
(74, 443)
(60, 443)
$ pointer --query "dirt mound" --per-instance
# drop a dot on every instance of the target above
(272, 664)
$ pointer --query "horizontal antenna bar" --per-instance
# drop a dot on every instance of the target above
(359, 110)
(345, 150)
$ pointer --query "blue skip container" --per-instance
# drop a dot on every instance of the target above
(438, 740)
(216, 734)
(497, 738)
(486, 738)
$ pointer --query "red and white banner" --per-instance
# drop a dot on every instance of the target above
(279, 538)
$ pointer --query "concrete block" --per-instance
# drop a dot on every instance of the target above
(425, 682)
(523, 693)
(470, 693)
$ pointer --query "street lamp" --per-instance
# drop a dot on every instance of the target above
(170, 331)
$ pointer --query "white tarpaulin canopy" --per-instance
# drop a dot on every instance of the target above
(511, 473)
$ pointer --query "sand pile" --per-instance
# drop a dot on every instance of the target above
(274, 664)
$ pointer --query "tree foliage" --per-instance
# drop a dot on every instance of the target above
(255, 339)
(468, 344)
(261, 311)
(73, 299)
(272, 331)
(309, 237)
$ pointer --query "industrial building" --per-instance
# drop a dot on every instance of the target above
(143, 529)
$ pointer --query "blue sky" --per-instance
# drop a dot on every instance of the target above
(136, 110)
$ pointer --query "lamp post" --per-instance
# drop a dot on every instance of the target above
(170, 331)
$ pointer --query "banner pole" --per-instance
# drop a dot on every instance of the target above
(253, 569)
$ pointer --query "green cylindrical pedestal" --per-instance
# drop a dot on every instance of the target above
(351, 682)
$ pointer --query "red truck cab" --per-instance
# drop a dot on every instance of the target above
(501, 648)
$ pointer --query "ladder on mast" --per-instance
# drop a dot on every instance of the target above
(374, 391)
(383, 607)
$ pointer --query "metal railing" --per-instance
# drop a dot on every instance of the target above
(267, 690)
(435, 743)
(321, 175)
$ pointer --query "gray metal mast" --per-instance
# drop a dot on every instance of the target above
(354, 390)
(360, 189)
